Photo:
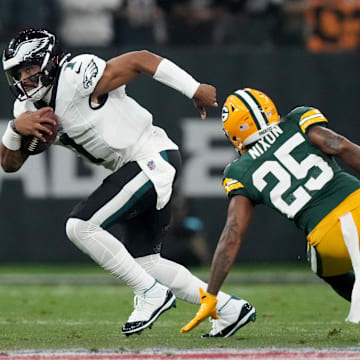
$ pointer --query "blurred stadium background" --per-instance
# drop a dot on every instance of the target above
(300, 52)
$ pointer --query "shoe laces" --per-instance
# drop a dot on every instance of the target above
(215, 326)
(140, 303)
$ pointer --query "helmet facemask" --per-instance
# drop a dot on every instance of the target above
(18, 88)
(247, 116)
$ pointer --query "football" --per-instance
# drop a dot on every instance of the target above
(32, 145)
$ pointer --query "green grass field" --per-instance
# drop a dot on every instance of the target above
(84, 308)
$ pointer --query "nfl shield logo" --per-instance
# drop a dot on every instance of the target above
(151, 165)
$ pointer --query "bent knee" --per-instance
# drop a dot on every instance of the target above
(72, 228)
(78, 229)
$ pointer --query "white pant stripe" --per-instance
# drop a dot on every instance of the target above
(351, 238)
(313, 257)
(119, 200)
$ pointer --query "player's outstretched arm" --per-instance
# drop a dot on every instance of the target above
(239, 214)
(124, 68)
(334, 144)
(204, 97)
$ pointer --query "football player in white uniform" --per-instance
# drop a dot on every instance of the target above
(99, 122)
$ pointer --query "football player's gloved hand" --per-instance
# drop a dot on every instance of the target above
(207, 308)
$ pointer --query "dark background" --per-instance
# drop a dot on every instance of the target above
(32, 229)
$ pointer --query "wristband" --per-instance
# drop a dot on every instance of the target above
(173, 76)
(12, 124)
(11, 139)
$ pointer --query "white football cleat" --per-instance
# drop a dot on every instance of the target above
(235, 314)
(148, 306)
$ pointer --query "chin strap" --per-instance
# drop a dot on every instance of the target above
(45, 92)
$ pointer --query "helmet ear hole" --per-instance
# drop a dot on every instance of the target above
(49, 73)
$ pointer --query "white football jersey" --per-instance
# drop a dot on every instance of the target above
(112, 133)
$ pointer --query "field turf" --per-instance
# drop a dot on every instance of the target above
(84, 308)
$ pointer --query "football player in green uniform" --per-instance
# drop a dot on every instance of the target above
(288, 165)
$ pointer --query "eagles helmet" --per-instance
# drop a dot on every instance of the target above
(33, 47)
(248, 115)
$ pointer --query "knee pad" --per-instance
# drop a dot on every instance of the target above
(71, 228)
(78, 230)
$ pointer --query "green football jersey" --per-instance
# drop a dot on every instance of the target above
(286, 172)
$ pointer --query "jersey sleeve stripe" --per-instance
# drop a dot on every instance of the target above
(231, 184)
(309, 113)
(311, 117)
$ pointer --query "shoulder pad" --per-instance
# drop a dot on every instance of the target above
(83, 73)
(229, 179)
(229, 167)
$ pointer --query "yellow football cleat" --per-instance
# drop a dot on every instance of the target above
(207, 308)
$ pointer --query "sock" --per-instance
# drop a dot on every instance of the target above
(180, 280)
(109, 253)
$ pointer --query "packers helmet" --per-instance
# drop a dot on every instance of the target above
(248, 115)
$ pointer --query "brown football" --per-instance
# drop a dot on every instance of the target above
(32, 145)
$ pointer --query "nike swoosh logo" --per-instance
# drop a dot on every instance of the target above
(79, 68)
